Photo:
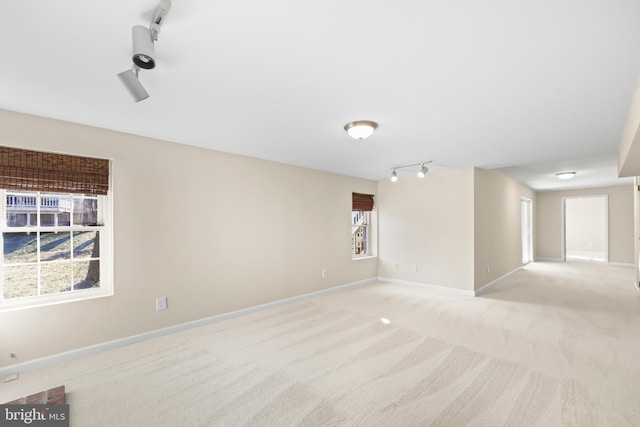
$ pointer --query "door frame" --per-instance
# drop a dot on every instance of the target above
(526, 229)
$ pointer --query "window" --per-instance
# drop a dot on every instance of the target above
(56, 244)
(361, 226)
(360, 230)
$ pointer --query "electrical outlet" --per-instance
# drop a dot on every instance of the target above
(324, 274)
(414, 268)
(488, 269)
(161, 303)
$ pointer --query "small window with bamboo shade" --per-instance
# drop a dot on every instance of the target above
(361, 207)
(55, 226)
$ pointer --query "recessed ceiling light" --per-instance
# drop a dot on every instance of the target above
(565, 175)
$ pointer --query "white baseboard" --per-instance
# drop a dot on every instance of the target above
(495, 282)
(622, 264)
(438, 288)
(447, 289)
(615, 264)
(98, 348)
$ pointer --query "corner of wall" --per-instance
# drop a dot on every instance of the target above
(497, 225)
(629, 147)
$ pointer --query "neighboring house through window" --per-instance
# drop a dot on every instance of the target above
(360, 233)
(56, 244)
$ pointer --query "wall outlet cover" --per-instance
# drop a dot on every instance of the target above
(161, 303)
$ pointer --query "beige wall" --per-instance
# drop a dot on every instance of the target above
(427, 223)
(549, 222)
(216, 232)
(586, 224)
(213, 232)
(451, 225)
(629, 147)
(498, 225)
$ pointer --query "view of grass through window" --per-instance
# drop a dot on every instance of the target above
(57, 272)
(51, 244)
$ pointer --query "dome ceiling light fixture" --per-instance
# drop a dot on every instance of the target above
(360, 129)
(565, 175)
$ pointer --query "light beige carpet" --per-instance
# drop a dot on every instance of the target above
(555, 344)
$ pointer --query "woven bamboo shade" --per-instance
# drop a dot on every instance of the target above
(361, 202)
(38, 171)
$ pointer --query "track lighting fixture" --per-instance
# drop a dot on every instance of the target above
(158, 19)
(421, 172)
(129, 79)
(144, 51)
(144, 55)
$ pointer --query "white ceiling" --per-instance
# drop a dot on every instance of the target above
(532, 87)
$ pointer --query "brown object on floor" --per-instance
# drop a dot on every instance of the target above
(53, 396)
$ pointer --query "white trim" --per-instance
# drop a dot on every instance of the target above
(564, 224)
(636, 231)
(364, 257)
(105, 228)
(526, 228)
(98, 348)
(547, 259)
(24, 303)
(495, 282)
(447, 289)
(439, 288)
(622, 264)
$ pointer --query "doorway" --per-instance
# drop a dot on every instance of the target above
(586, 228)
(527, 230)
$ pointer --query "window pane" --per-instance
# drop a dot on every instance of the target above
(21, 209)
(86, 274)
(85, 210)
(39, 260)
(55, 209)
(20, 247)
(55, 246)
(55, 277)
(86, 244)
(21, 281)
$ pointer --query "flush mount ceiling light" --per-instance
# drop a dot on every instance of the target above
(144, 54)
(565, 175)
(360, 129)
(421, 172)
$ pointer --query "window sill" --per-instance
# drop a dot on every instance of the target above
(35, 302)
(364, 257)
